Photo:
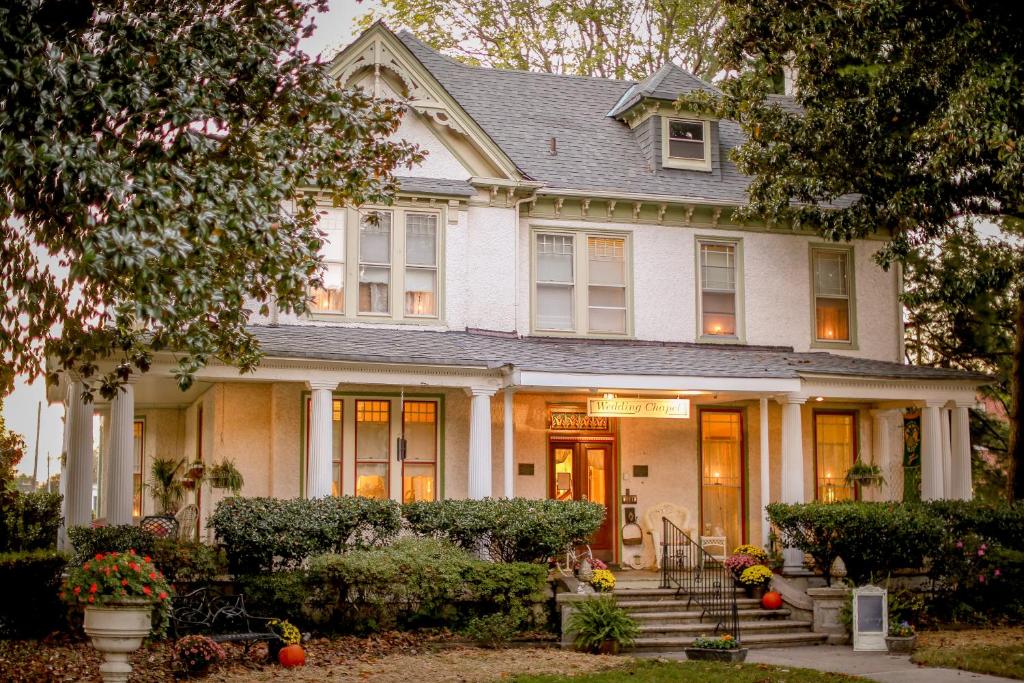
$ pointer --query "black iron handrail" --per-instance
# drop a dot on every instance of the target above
(693, 572)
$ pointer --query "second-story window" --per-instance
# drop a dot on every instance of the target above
(719, 288)
(831, 277)
(581, 283)
(380, 264)
(686, 144)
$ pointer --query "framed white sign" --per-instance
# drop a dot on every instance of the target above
(870, 618)
(678, 408)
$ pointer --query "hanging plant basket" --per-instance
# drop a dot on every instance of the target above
(864, 474)
(195, 470)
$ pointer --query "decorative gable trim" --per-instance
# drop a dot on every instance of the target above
(380, 52)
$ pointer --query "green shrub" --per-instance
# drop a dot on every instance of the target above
(31, 607)
(596, 621)
(187, 561)
(88, 542)
(264, 534)
(874, 539)
(419, 582)
(29, 521)
(281, 595)
(495, 630)
(510, 530)
(1001, 524)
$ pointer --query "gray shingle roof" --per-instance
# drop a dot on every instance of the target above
(667, 83)
(438, 186)
(488, 350)
(522, 110)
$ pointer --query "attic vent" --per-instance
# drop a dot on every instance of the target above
(553, 147)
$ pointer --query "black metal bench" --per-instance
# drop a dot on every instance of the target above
(222, 617)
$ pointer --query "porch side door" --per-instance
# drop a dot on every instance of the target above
(583, 471)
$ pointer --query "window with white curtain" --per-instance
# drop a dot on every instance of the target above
(389, 265)
(718, 280)
(832, 295)
(581, 283)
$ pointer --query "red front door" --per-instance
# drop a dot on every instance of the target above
(584, 471)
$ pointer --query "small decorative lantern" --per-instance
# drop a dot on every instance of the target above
(870, 618)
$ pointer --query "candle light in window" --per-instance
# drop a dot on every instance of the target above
(829, 333)
(716, 329)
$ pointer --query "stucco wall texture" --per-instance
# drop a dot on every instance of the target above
(260, 426)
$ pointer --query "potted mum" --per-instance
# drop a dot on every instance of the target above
(722, 649)
(196, 654)
(901, 639)
(603, 580)
(125, 599)
(756, 580)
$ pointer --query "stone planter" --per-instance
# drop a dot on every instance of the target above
(116, 630)
(710, 654)
(900, 645)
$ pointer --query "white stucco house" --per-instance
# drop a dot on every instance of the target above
(558, 304)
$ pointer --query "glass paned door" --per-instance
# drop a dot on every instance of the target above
(722, 499)
(584, 471)
(834, 448)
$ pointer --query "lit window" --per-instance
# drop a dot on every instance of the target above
(602, 302)
(721, 452)
(718, 300)
(419, 469)
(373, 429)
(834, 453)
(331, 297)
(138, 444)
(375, 262)
(831, 269)
(421, 264)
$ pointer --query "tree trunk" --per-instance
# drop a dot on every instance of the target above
(1016, 460)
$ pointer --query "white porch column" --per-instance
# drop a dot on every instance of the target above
(792, 467)
(78, 490)
(882, 428)
(319, 472)
(931, 451)
(62, 534)
(120, 468)
(480, 443)
(962, 484)
(947, 453)
(765, 470)
(510, 443)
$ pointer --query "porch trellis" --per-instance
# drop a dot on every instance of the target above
(693, 572)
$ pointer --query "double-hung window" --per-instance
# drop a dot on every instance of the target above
(685, 144)
(581, 283)
(719, 283)
(380, 264)
(832, 282)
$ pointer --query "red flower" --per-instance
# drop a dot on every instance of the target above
(146, 558)
(152, 575)
(134, 566)
(147, 590)
(92, 588)
(162, 595)
(92, 599)
(124, 582)
(85, 566)
(76, 590)
(99, 556)
(131, 551)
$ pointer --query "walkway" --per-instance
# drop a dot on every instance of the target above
(877, 666)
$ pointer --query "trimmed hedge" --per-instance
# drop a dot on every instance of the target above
(29, 521)
(509, 530)
(418, 582)
(265, 534)
(31, 607)
(88, 541)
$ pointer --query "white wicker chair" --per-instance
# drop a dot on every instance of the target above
(187, 518)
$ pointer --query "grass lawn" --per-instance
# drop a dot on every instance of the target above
(646, 671)
(999, 652)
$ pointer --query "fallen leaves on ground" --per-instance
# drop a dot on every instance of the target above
(387, 657)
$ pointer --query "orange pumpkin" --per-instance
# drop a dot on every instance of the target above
(291, 655)
(771, 600)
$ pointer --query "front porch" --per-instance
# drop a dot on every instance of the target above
(412, 429)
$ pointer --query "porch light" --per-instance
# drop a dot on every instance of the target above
(819, 399)
(609, 396)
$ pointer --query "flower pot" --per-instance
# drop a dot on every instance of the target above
(756, 592)
(709, 654)
(116, 630)
(900, 645)
(608, 647)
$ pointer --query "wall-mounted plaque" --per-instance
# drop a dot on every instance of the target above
(526, 469)
(639, 470)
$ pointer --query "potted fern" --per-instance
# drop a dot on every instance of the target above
(601, 625)
(864, 474)
(224, 475)
(167, 489)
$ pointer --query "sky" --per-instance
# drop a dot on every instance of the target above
(335, 29)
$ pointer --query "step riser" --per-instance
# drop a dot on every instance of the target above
(695, 630)
(685, 617)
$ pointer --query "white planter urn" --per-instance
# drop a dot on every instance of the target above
(116, 631)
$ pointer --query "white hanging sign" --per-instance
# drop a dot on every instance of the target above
(677, 408)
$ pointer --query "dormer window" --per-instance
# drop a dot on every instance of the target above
(686, 144)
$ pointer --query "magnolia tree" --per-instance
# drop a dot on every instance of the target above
(909, 125)
(157, 167)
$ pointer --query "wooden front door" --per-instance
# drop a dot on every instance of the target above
(584, 471)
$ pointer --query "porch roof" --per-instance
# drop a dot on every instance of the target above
(481, 349)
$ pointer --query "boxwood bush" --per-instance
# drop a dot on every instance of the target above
(418, 582)
(29, 521)
(264, 534)
(86, 542)
(31, 607)
(509, 530)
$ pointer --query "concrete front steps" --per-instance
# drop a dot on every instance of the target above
(669, 623)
